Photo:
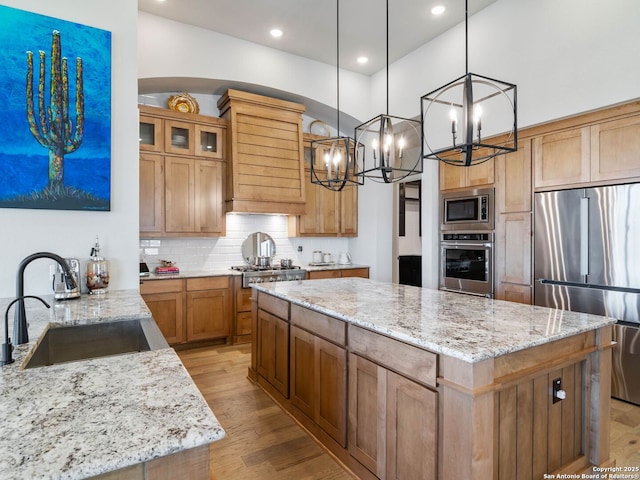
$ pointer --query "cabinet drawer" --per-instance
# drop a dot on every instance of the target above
(207, 283)
(324, 274)
(324, 326)
(407, 360)
(160, 286)
(355, 272)
(277, 306)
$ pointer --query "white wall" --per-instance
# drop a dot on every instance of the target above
(71, 233)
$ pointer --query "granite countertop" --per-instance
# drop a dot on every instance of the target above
(462, 326)
(79, 419)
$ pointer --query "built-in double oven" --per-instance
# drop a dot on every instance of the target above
(466, 241)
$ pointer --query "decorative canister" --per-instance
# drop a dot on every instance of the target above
(97, 272)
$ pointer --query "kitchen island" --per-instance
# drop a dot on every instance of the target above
(135, 415)
(406, 382)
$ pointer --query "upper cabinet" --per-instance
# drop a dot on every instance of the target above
(602, 150)
(453, 177)
(182, 171)
(265, 170)
(328, 213)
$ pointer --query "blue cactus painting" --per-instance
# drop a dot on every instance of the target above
(56, 134)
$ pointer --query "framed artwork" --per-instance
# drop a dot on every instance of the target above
(55, 88)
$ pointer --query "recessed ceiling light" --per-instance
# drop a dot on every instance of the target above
(438, 10)
(276, 32)
(362, 60)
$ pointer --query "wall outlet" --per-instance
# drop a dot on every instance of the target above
(299, 248)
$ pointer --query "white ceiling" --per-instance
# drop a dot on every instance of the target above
(310, 26)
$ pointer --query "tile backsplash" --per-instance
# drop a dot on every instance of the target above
(195, 254)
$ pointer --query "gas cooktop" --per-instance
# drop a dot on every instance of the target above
(273, 273)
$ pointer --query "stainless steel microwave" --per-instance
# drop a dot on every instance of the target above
(467, 210)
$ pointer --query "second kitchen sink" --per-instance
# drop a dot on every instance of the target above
(80, 342)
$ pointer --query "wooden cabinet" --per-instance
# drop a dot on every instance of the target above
(318, 375)
(392, 422)
(454, 177)
(513, 245)
(242, 326)
(328, 213)
(182, 185)
(562, 158)
(190, 310)
(165, 299)
(273, 342)
(605, 151)
(265, 174)
(151, 193)
(338, 273)
(208, 308)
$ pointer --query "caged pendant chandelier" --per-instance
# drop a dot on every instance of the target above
(332, 163)
(388, 148)
(466, 111)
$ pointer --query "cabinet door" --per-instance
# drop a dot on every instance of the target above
(150, 135)
(265, 345)
(514, 293)
(167, 310)
(208, 314)
(411, 430)
(209, 141)
(562, 158)
(308, 223)
(451, 176)
(614, 149)
(179, 137)
(151, 193)
(367, 409)
(279, 378)
(330, 373)
(513, 180)
(482, 174)
(208, 197)
(303, 370)
(514, 252)
(349, 211)
(328, 204)
(179, 195)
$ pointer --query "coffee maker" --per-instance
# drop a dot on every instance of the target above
(63, 289)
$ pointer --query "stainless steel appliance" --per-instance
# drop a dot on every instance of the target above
(466, 262)
(587, 259)
(62, 288)
(274, 273)
(467, 210)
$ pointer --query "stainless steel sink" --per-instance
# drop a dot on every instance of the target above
(81, 342)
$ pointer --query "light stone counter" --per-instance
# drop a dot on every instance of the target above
(79, 419)
(466, 327)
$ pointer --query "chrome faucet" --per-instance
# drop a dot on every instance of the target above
(7, 348)
(20, 333)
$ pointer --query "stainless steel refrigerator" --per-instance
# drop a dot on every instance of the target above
(587, 259)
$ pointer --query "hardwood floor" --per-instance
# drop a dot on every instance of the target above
(263, 442)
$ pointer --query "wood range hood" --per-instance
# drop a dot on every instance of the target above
(265, 172)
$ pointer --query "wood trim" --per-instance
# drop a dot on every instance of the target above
(166, 113)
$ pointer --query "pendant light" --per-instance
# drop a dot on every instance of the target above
(457, 117)
(388, 148)
(332, 163)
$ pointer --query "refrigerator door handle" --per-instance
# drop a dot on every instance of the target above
(584, 237)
